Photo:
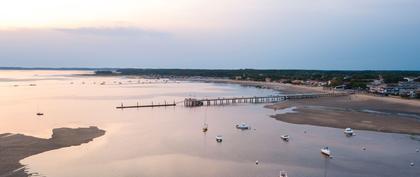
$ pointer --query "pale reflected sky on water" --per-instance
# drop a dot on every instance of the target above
(168, 142)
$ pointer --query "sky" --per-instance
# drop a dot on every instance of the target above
(211, 34)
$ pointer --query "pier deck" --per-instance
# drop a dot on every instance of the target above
(193, 102)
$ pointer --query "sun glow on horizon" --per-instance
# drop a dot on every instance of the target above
(80, 13)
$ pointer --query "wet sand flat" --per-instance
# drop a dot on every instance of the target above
(15, 147)
(355, 111)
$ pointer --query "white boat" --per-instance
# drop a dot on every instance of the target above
(243, 126)
(219, 138)
(349, 132)
(283, 174)
(326, 151)
(285, 137)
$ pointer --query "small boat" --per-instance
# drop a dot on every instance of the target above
(326, 151)
(219, 138)
(205, 127)
(243, 126)
(285, 137)
(283, 174)
(349, 132)
(39, 114)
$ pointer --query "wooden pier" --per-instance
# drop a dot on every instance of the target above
(146, 106)
(192, 102)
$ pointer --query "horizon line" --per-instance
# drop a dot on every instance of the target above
(149, 68)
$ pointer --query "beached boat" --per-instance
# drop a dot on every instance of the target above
(219, 138)
(326, 151)
(349, 132)
(285, 137)
(243, 126)
(283, 174)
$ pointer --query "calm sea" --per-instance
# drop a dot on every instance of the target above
(168, 142)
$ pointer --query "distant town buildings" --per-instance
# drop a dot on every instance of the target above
(409, 88)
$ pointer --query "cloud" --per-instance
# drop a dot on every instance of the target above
(114, 32)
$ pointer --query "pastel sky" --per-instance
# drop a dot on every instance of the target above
(265, 34)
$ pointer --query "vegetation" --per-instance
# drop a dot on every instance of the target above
(254, 74)
(391, 78)
(104, 72)
(352, 79)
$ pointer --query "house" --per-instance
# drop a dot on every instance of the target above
(377, 88)
(297, 82)
(341, 87)
(408, 88)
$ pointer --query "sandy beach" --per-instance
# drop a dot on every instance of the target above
(284, 88)
(359, 112)
(15, 147)
(290, 88)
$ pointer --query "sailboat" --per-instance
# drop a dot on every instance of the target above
(205, 125)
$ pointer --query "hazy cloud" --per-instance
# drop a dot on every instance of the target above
(304, 34)
(114, 31)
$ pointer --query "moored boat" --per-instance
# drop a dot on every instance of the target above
(205, 127)
(243, 126)
(349, 132)
(326, 151)
(285, 137)
(283, 173)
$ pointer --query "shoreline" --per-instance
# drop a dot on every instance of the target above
(290, 88)
(358, 111)
(285, 88)
(352, 112)
(15, 147)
